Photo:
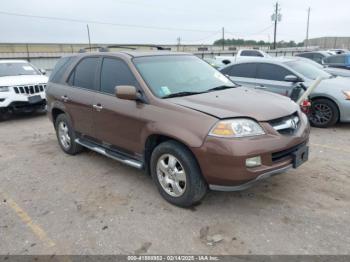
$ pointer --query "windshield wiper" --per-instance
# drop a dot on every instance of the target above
(220, 88)
(186, 93)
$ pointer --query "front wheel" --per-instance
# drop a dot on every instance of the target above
(324, 113)
(177, 175)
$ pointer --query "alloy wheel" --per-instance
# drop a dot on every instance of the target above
(171, 175)
(63, 134)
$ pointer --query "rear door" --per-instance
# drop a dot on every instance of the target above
(116, 121)
(79, 97)
(243, 74)
(270, 77)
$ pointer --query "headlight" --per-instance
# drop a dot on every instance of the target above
(347, 95)
(4, 88)
(239, 127)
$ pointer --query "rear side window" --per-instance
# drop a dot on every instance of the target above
(251, 53)
(115, 72)
(241, 70)
(306, 55)
(272, 72)
(60, 69)
(84, 74)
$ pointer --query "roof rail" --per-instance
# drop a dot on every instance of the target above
(130, 47)
(99, 48)
(134, 47)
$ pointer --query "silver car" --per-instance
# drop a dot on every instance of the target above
(330, 100)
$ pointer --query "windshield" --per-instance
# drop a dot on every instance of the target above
(169, 75)
(14, 69)
(308, 70)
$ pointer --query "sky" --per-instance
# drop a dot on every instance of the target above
(163, 21)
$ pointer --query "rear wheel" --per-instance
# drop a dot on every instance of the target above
(177, 175)
(66, 135)
(324, 113)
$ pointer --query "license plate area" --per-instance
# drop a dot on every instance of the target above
(34, 99)
(300, 156)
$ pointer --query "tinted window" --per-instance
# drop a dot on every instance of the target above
(242, 70)
(306, 55)
(114, 73)
(84, 73)
(251, 53)
(59, 69)
(272, 72)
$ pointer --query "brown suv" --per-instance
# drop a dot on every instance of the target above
(177, 118)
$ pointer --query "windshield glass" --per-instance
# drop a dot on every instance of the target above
(14, 69)
(168, 75)
(308, 70)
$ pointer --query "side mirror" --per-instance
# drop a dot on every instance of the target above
(292, 78)
(127, 93)
(43, 71)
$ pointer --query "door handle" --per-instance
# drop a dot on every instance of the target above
(65, 98)
(98, 107)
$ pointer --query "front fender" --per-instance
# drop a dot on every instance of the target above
(183, 135)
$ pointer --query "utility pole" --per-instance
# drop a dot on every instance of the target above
(178, 43)
(223, 38)
(307, 28)
(275, 30)
(88, 31)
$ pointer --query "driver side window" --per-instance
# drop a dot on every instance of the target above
(272, 72)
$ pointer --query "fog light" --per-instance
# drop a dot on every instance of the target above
(253, 161)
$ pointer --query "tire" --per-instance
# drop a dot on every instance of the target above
(324, 113)
(4, 115)
(63, 127)
(185, 192)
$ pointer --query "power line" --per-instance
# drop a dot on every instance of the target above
(105, 23)
(252, 34)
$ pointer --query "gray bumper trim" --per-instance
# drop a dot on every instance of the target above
(252, 182)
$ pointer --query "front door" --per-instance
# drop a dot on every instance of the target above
(270, 77)
(116, 121)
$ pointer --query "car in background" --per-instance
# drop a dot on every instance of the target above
(337, 51)
(332, 70)
(338, 61)
(241, 54)
(317, 56)
(330, 99)
(22, 87)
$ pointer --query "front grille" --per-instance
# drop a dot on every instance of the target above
(277, 156)
(29, 89)
(287, 125)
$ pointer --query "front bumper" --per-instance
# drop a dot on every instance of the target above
(16, 102)
(223, 161)
(251, 182)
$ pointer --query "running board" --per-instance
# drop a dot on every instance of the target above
(109, 153)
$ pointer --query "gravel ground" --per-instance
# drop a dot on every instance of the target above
(52, 203)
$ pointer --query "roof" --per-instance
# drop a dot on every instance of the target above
(3, 61)
(280, 59)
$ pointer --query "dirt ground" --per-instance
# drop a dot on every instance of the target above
(52, 203)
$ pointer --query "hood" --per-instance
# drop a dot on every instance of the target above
(335, 83)
(23, 80)
(240, 102)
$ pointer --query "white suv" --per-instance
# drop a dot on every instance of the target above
(22, 87)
